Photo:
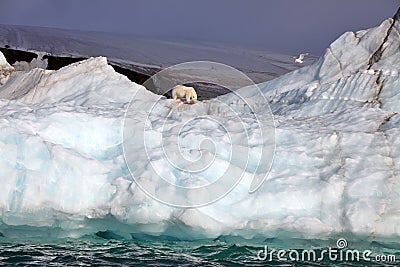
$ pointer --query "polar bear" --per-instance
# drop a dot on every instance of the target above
(5, 69)
(181, 91)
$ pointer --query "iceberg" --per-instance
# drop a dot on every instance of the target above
(335, 170)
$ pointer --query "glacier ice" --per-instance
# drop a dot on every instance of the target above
(335, 172)
(39, 62)
(142, 54)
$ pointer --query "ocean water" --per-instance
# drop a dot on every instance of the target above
(93, 251)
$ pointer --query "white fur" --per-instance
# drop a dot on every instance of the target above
(181, 91)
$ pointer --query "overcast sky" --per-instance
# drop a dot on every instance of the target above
(279, 25)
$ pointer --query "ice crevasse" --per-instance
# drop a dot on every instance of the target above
(335, 171)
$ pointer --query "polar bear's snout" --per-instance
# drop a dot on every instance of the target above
(181, 91)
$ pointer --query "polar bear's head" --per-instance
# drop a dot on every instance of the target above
(191, 95)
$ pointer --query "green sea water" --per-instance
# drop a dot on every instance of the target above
(94, 251)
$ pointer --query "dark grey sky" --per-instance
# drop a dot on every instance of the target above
(279, 25)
